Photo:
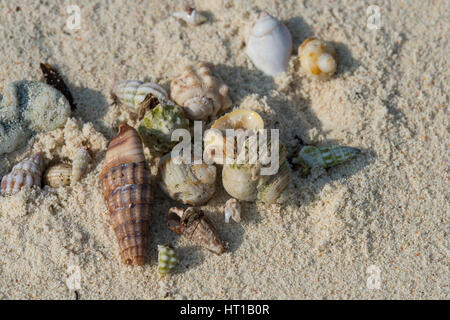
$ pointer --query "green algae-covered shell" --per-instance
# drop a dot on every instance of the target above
(158, 124)
(324, 157)
(167, 259)
(27, 107)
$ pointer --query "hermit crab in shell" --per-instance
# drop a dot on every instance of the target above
(199, 92)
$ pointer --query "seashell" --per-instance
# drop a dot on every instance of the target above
(167, 259)
(54, 79)
(194, 225)
(191, 16)
(27, 107)
(133, 94)
(245, 181)
(232, 210)
(80, 163)
(58, 175)
(324, 157)
(216, 149)
(128, 193)
(27, 173)
(318, 58)
(269, 45)
(192, 184)
(158, 125)
(199, 93)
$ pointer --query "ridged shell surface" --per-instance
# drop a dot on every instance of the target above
(192, 184)
(27, 173)
(201, 94)
(58, 175)
(128, 193)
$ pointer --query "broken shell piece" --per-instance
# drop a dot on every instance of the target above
(232, 210)
(158, 125)
(191, 16)
(58, 175)
(27, 173)
(192, 184)
(194, 225)
(269, 45)
(216, 148)
(318, 58)
(136, 95)
(80, 163)
(201, 94)
(324, 157)
(167, 259)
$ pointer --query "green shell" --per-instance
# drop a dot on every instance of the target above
(158, 124)
(167, 259)
(324, 157)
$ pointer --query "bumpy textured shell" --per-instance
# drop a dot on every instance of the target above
(158, 125)
(269, 45)
(318, 58)
(324, 157)
(232, 209)
(133, 92)
(80, 163)
(167, 259)
(128, 194)
(192, 184)
(194, 225)
(58, 175)
(27, 173)
(27, 107)
(199, 93)
(216, 148)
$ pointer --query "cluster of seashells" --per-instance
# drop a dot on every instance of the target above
(195, 95)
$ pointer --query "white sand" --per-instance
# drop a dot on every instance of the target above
(389, 207)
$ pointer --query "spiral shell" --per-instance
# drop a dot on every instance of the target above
(80, 163)
(27, 173)
(158, 125)
(217, 148)
(232, 209)
(133, 94)
(128, 193)
(324, 157)
(191, 16)
(58, 175)
(194, 225)
(192, 184)
(269, 45)
(318, 58)
(167, 259)
(199, 93)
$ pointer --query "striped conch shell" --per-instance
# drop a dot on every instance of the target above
(128, 194)
(80, 163)
(318, 58)
(137, 95)
(201, 94)
(27, 173)
(324, 157)
(194, 225)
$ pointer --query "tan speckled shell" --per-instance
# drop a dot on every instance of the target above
(80, 163)
(310, 53)
(128, 193)
(27, 173)
(58, 175)
(199, 93)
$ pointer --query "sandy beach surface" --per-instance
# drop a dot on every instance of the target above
(384, 214)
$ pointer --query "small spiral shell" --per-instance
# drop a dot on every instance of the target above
(58, 175)
(318, 58)
(232, 209)
(191, 16)
(27, 173)
(167, 259)
(80, 163)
